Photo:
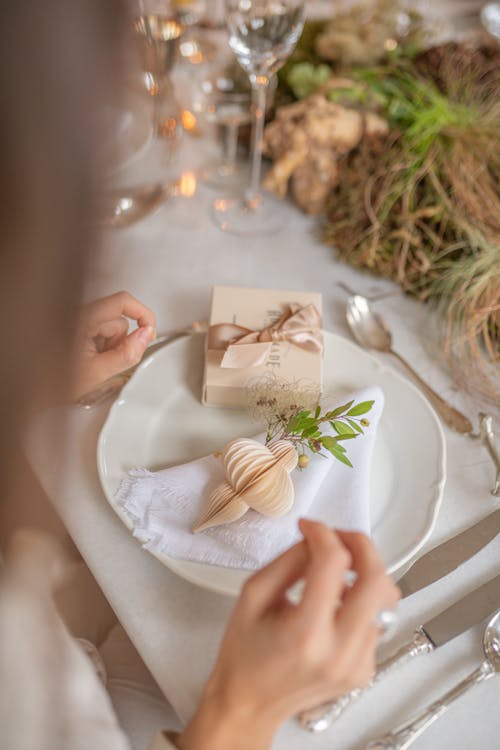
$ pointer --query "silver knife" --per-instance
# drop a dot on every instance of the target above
(448, 556)
(426, 638)
(429, 568)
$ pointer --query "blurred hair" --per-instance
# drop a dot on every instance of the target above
(59, 61)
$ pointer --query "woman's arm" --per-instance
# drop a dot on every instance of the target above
(278, 658)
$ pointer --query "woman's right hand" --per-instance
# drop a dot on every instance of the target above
(279, 658)
(104, 347)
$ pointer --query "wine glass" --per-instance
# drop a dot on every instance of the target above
(195, 48)
(262, 34)
(224, 100)
(144, 126)
(158, 31)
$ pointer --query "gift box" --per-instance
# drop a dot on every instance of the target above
(256, 332)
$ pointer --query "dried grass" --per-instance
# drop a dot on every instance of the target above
(423, 207)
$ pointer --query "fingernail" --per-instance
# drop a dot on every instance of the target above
(146, 334)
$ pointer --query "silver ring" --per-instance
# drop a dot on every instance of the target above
(386, 621)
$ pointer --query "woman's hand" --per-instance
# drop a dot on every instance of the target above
(278, 658)
(104, 346)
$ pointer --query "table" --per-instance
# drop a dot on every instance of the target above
(170, 261)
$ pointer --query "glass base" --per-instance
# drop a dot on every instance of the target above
(225, 179)
(259, 217)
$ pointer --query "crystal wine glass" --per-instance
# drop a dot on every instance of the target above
(262, 34)
(158, 31)
(223, 101)
(145, 127)
(195, 48)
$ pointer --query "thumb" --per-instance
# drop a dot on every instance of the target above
(125, 354)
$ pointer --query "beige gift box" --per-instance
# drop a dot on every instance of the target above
(228, 368)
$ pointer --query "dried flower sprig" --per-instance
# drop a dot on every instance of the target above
(268, 395)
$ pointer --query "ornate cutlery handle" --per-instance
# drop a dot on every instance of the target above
(451, 416)
(319, 718)
(108, 389)
(406, 735)
(488, 437)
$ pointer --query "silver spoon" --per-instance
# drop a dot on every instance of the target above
(405, 735)
(370, 330)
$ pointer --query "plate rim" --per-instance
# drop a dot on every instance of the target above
(177, 566)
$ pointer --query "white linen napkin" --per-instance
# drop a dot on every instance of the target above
(164, 505)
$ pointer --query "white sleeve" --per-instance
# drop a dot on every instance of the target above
(54, 699)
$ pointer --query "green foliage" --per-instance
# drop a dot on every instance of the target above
(305, 428)
(423, 206)
(349, 95)
(305, 51)
(304, 78)
(361, 408)
(416, 106)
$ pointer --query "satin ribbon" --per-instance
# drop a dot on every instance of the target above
(244, 347)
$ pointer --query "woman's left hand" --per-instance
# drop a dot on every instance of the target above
(278, 657)
(104, 346)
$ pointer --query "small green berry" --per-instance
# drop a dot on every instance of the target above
(365, 422)
(303, 461)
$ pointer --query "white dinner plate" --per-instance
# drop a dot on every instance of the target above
(159, 421)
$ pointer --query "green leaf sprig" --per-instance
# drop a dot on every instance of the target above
(304, 428)
(305, 78)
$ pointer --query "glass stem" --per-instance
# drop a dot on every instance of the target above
(231, 148)
(259, 91)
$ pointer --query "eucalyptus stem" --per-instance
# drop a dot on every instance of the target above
(303, 428)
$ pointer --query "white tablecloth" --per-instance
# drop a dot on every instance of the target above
(170, 261)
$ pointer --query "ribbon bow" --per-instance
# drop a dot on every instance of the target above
(244, 347)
